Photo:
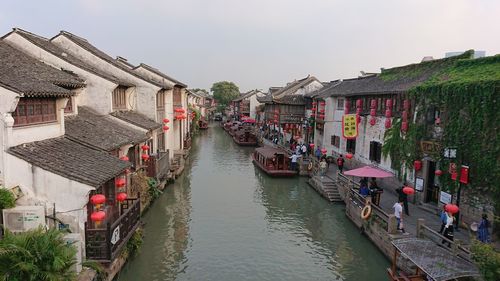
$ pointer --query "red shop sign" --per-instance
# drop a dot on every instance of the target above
(464, 174)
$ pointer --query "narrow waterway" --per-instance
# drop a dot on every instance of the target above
(226, 220)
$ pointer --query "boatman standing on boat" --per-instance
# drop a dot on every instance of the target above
(293, 164)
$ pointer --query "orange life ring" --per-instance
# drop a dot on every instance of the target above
(366, 212)
(310, 166)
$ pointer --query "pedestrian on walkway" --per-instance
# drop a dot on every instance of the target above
(448, 229)
(398, 213)
(403, 196)
(340, 164)
(443, 219)
(317, 153)
(298, 149)
(483, 234)
(304, 149)
(322, 167)
(293, 163)
(374, 191)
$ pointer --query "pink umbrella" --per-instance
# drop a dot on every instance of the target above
(249, 120)
(369, 172)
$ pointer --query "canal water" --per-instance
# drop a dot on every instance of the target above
(224, 219)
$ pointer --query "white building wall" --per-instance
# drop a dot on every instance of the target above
(96, 94)
(142, 100)
(8, 103)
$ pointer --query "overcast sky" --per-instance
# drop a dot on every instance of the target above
(263, 43)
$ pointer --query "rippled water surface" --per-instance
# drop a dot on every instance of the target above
(225, 220)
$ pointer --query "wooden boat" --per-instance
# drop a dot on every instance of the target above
(273, 161)
(202, 124)
(234, 129)
(229, 124)
(245, 137)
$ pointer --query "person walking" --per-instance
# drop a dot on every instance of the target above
(322, 167)
(374, 191)
(304, 149)
(398, 213)
(293, 163)
(340, 164)
(443, 219)
(448, 229)
(403, 196)
(317, 153)
(483, 234)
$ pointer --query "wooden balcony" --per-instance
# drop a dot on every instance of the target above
(158, 165)
(104, 244)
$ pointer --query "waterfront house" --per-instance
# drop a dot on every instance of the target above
(246, 104)
(285, 108)
(49, 169)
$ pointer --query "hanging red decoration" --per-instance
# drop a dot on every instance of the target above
(322, 110)
(322, 116)
(388, 104)
(97, 199)
(347, 106)
(179, 110)
(404, 115)
(438, 173)
(313, 109)
(145, 157)
(408, 190)
(373, 121)
(404, 126)
(322, 103)
(406, 104)
(348, 155)
(122, 196)
(166, 128)
(388, 113)
(145, 147)
(464, 174)
(373, 104)
(324, 151)
(165, 120)
(98, 216)
(388, 123)
(417, 164)
(124, 158)
(311, 145)
(359, 103)
(373, 112)
(120, 182)
(452, 208)
(314, 103)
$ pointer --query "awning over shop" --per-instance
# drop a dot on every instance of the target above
(438, 263)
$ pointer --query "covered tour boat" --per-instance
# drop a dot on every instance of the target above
(245, 137)
(274, 161)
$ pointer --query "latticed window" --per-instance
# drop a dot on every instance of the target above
(35, 111)
(335, 141)
(340, 104)
(120, 98)
(160, 105)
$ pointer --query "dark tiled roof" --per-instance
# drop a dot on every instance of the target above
(158, 72)
(50, 47)
(265, 99)
(320, 92)
(100, 131)
(71, 160)
(291, 100)
(391, 81)
(294, 86)
(137, 119)
(32, 77)
(92, 49)
(246, 95)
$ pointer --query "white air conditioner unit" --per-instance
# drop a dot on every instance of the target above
(75, 240)
(23, 218)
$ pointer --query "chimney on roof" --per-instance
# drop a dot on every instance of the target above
(121, 58)
(427, 58)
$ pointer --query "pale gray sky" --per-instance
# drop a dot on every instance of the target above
(262, 43)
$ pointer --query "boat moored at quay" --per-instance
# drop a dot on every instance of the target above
(273, 161)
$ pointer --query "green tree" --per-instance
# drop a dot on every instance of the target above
(7, 199)
(36, 255)
(225, 92)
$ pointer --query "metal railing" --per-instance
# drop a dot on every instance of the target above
(158, 165)
(104, 244)
(455, 246)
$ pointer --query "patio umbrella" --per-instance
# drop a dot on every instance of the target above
(369, 172)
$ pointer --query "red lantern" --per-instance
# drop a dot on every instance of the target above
(314, 103)
(179, 110)
(98, 216)
(373, 103)
(313, 109)
(324, 151)
(438, 173)
(165, 120)
(359, 110)
(166, 128)
(322, 103)
(359, 103)
(145, 157)
(452, 208)
(408, 190)
(124, 158)
(145, 147)
(373, 112)
(388, 103)
(348, 155)
(311, 145)
(373, 121)
(347, 105)
(97, 199)
(417, 164)
(322, 116)
(405, 116)
(404, 126)
(388, 123)
(464, 174)
(388, 113)
(120, 182)
(122, 196)
(322, 110)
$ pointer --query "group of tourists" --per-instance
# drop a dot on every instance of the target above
(370, 189)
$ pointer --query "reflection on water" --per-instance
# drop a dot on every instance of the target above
(225, 220)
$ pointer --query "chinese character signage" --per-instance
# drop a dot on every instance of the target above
(464, 174)
(453, 171)
(349, 126)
